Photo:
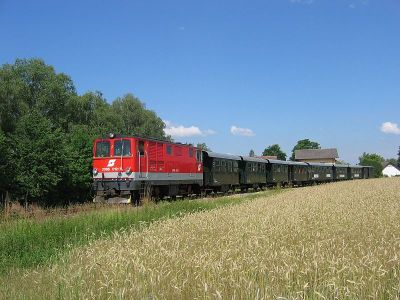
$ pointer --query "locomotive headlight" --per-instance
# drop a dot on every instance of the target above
(128, 171)
(95, 172)
(111, 135)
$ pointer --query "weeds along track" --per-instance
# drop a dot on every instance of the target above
(340, 240)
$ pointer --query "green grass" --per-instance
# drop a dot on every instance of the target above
(26, 243)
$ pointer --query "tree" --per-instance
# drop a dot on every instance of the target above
(398, 160)
(5, 169)
(78, 151)
(38, 158)
(30, 84)
(304, 144)
(392, 161)
(374, 160)
(203, 146)
(251, 153)
(136, 119)
(274, 150)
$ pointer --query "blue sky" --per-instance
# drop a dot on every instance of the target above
(238, 75)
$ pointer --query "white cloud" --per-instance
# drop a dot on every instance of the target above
(389, 127)
(182, 131)
(242, 131)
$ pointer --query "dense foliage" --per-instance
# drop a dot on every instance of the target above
(374, 160)
(47, 131)
(203, 146)
(274, 150)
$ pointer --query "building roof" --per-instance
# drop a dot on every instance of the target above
(392, 165)
(316, 153)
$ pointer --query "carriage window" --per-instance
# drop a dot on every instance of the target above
(191, 152)
(169, 149)
(217, 165)
(102, 149)
(230, 166)
(223, 166)
(122, 148)
(235, 166)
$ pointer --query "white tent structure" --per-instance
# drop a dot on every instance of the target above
(390, 171)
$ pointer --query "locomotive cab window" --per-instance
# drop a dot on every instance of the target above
(190, 152)
(103, 149)
(122, 148)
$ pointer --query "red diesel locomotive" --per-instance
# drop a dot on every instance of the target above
(125, 168)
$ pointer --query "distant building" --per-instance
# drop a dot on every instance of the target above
(316, 155)
(390, 171)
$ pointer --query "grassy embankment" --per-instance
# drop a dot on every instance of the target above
(336, 241)
(26, 243)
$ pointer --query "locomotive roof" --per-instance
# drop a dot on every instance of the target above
(119, 136)
(254, 159)
(222, 155)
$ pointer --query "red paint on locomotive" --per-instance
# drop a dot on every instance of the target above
(149, 156)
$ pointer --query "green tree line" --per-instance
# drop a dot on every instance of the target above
(47, 132)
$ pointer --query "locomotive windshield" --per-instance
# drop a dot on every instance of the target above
(122, 148)
(102, 149)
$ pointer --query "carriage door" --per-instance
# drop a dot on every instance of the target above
(143, 159)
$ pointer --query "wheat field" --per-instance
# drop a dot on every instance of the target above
(334, 241)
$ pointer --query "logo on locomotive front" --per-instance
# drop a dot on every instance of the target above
(111, 163)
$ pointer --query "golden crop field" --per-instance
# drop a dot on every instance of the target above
(334, 241)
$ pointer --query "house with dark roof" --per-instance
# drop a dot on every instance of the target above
(316, 155)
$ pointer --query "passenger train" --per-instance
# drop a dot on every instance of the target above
(127, 168)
